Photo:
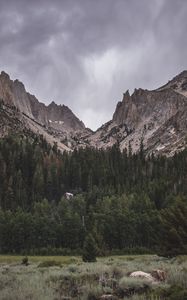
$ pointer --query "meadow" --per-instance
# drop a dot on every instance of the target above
(67, 277)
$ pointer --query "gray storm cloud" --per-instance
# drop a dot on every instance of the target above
(86, 53)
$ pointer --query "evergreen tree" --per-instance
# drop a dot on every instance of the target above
(89, 249)
(174, 229)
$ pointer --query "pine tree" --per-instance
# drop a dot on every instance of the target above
(89, 249)
(174, 230)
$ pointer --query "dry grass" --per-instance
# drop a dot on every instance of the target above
(52, 277)
(9, 259)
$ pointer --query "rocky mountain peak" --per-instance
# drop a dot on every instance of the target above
(126, 96)
(183, 73)
(157, 117)
(62, 116)
(19, 84)
(4, 76)
(59, 120)
(178, 84)
(52, 104)
(126, 112)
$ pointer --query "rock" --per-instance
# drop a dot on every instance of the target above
(54, 120)
(159, 275)
(61, 117)
(155, 275)
(158, 118)
(144, 275)
(108, 297)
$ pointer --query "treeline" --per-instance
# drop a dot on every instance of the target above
(128, 203)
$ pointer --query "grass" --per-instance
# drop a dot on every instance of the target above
(55, 277)
(64, 260)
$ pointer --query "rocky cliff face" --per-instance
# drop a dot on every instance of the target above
(13, 93)
(58, 120)
(178, 84)
(158, 119)
(12, 121)
(57, 116)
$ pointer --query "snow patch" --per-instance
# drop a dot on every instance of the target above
(56, 122)
(172, 131)
(160, 147)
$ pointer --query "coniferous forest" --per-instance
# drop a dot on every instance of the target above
(125, 203)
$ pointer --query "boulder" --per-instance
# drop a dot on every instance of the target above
(159, 275)
(154, 276)
(144, 275)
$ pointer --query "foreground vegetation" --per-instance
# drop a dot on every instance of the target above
(56, 278)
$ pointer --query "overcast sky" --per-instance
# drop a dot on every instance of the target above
(86, 53)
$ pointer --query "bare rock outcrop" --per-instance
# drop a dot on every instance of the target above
(157, 119)
(53, 120)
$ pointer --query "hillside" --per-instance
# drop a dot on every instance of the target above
(156, 120)
(56, 122)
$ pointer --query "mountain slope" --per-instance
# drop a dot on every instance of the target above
(157, 118)
(178, 84)
(53, 120)
(12, 121)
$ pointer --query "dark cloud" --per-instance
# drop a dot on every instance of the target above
(86, 53)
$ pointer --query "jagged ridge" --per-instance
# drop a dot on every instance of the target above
(158, 118)
(57, 120)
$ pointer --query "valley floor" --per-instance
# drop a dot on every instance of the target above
(62, 277)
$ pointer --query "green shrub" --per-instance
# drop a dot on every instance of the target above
(25, 261)
(129, 286)
(95, 293)
(176, 293)
(134, 283)
(177, 276)
(89, 249)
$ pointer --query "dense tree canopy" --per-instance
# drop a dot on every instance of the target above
(126, 202)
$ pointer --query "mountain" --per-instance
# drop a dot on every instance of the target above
(178, 84)
(157, 119)
(56, 122)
